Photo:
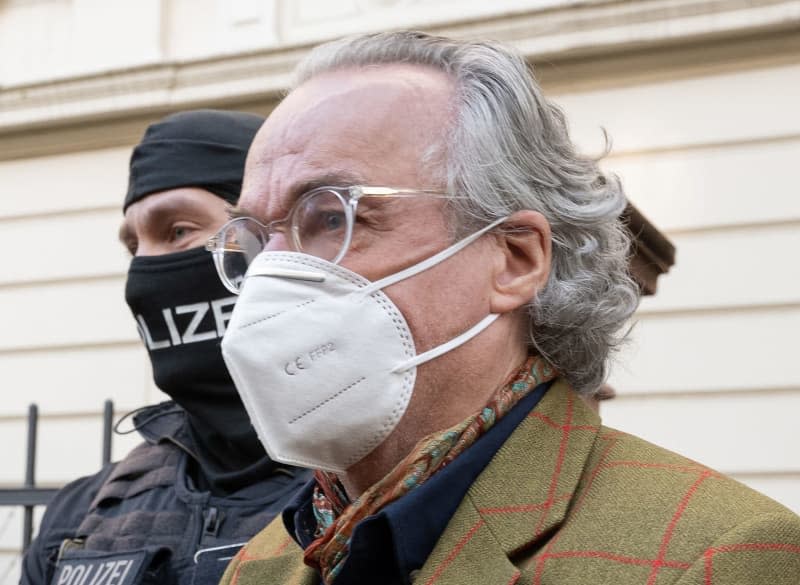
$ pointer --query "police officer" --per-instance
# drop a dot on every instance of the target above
(200, 485)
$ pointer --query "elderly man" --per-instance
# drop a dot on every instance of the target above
(433, 276)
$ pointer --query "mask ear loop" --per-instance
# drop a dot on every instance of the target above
(447, 346)
(144, 423)
(421, 267)
(430, 262)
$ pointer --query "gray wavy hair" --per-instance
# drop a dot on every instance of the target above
(508, 149)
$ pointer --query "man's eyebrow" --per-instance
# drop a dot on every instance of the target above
(341, 178)
(296, 190)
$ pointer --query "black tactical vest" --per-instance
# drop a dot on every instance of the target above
(141, 521)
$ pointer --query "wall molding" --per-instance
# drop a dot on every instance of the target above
(122, 101)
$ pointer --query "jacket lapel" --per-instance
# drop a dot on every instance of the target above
(271, 556)
(521, 497)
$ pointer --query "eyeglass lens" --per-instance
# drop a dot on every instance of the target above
(318, 225)
(243, 240)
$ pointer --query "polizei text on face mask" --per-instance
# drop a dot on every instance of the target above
(190, 333)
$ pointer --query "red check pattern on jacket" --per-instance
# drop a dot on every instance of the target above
(568, 501)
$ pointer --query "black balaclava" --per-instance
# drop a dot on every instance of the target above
(178, 301)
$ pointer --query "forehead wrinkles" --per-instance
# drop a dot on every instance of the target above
(380, 123)
(276, 155)
(268, 184)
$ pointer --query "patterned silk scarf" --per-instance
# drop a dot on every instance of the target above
(337, 517)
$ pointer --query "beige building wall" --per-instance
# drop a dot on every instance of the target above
(701, 101)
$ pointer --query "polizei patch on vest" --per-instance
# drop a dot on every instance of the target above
(102, 569)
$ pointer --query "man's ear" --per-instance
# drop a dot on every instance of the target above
(522, 263)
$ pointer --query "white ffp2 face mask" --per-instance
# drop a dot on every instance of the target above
(324, 361)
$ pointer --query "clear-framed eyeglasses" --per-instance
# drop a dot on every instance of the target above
(320, 224)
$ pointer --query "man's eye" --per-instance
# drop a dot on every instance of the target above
(333, 220)
(179, 232)
(322, 222)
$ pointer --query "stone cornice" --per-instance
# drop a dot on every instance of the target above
(573, 30)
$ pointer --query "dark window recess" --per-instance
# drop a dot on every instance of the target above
(652, 254)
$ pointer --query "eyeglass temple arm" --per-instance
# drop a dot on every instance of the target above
(389, 192)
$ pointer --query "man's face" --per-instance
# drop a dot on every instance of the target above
(379, 127)
(373, 127)
(172, 221)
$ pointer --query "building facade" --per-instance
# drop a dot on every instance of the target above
(699, 97)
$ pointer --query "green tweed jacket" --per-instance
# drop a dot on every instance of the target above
(568, 501)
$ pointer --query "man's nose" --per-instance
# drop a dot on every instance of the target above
(278, 242)
(148, 247)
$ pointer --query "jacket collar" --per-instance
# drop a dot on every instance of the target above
(521, 498)
(161, 422)
(165, 422)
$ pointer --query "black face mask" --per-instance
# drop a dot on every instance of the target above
(182, 309)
